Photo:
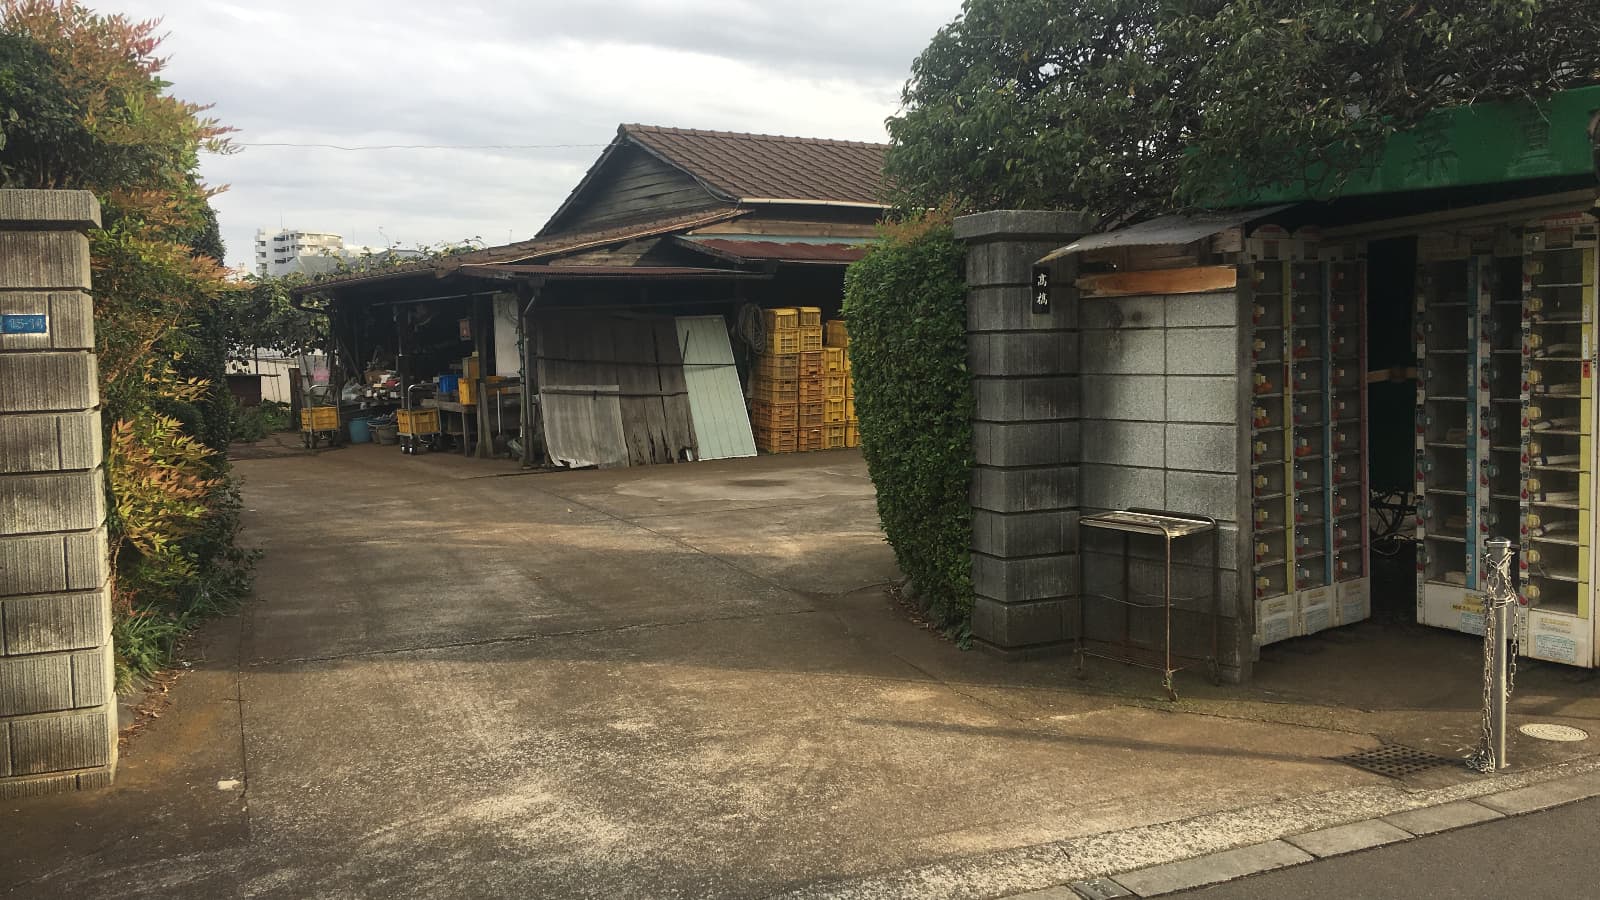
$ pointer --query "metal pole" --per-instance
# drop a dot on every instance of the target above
(1499, 599)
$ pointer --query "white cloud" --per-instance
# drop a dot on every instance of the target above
(361, 72)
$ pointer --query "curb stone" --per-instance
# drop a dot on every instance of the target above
(1292, 850)
(1052, 870)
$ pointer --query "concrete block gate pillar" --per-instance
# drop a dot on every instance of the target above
(58, 715)
(1025, 482)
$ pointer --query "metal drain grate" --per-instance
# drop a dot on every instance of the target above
(1395, 761)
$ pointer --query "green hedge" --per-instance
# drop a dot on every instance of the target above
(905, 304)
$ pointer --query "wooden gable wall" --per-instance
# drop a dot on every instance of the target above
(632, 186)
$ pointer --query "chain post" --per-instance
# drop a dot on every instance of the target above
(1499, 661)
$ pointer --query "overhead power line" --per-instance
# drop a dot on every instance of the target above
(424, 146)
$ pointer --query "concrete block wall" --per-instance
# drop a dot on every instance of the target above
(1160, 427)
(1025, 486)
(58, 724)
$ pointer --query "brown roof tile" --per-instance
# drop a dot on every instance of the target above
(770, 167)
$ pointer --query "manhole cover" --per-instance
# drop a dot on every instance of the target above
(1395, 761)
(1547, 732)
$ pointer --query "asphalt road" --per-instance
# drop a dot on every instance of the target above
(1552, 854)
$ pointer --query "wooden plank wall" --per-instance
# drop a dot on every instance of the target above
(633, 185)
(640, 356)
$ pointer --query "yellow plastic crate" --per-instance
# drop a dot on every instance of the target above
(849, 386)
(834, 387)
(850, 409)
(773, 415)
(833, 412)
(417, 422)
(852, 436)
(761, 382)
(319, 418)
(783, 318)
(812, 390)
(785, 341)
(811, 364)
(779, 366)
(833, 360)
(808, 439)
(811, 338)
(809, 316)
(834, 437)
(776, 440)
(835, 334)
(812, 415)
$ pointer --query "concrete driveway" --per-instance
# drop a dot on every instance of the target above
(684, 681)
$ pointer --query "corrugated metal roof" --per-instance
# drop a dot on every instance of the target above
(1165, 231)
(716, 402)
(521, 250)
(838, 253)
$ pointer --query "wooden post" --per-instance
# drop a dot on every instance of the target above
(483, 321)
(527, 296)
(297, 400)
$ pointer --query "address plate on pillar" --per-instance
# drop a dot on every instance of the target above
(1041, 290)
(24, 324)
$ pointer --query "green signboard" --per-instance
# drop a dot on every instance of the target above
(1489, 143)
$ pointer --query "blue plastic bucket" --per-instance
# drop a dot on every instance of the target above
(449, 383)
(360, 432)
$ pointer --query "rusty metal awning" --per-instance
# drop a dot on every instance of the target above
(834, 252)
(1166, 231)
(613, 273)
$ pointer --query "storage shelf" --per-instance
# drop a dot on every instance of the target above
(1553, 576)
(1559, 542)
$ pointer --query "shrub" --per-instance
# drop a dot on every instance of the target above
(906, 307)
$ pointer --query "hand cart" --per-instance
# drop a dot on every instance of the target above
(1170, 527)
(318, 422)
(417, 427)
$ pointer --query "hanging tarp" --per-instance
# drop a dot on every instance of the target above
(716, 402)
(583, 425)
(637, 354)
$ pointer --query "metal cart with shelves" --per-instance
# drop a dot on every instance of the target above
(1170, 527)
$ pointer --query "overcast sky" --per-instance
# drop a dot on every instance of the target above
(500, 72)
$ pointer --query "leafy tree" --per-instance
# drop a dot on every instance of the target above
(83, 106)
(1122, 107)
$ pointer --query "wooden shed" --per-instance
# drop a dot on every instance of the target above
(668, 223)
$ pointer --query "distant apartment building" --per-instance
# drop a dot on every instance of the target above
(308, 252)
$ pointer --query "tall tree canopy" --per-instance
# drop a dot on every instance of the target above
(1123, 107)
(83, 106)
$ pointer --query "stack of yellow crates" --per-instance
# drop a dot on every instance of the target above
(813, 409)
(775, 384)
(801, 396)
(843, 386)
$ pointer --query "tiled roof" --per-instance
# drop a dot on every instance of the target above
(770, 167)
